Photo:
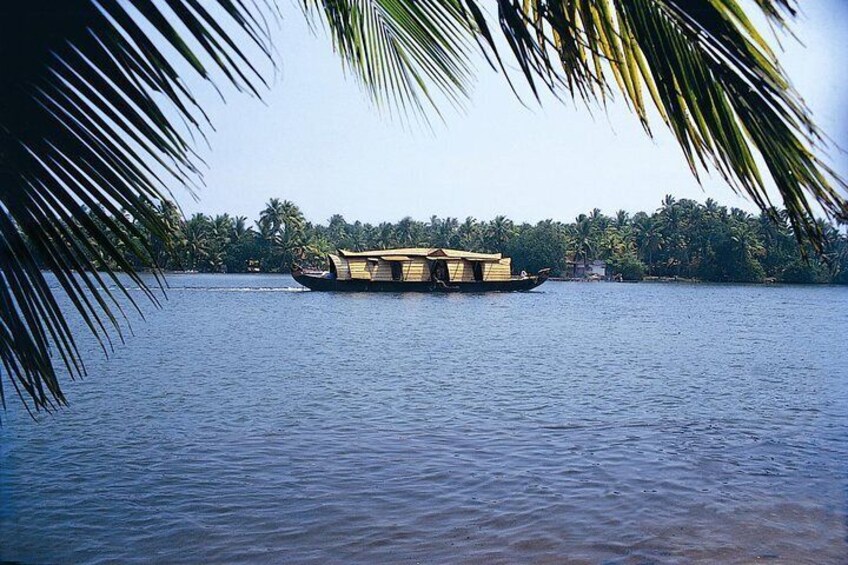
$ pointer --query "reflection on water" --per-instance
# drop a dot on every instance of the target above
(587, 423)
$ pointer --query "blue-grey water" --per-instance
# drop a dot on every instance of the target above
(249, 422)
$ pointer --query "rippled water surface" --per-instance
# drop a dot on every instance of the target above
(249, 422)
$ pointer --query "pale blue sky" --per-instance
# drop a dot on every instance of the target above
(317, 140)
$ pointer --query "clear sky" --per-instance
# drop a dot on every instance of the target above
(317, 140)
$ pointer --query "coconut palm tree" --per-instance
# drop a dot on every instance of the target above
(198, 236)
(385, 236)
(338, 230)
(165, 250)
(649, 237)
(94, 101)
(711, 208)
(470, 234)
(407, 232)
(241, 233)
(292, 220)
(266, 236)
(583, 237)
(621, 220)
(598, 219)
(273, 215)
(282, 223)
(242, 242)
(359, 235)
(613, 244)
(315, 250)
(290, 236)
(498, 232)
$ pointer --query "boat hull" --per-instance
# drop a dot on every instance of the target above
(319, 283)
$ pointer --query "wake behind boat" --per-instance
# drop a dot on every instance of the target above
(418, 269)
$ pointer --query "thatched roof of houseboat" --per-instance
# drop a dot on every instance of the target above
(428, 252)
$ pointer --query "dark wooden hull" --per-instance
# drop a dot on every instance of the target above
(315, 282)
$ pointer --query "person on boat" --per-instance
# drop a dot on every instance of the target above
(441, 272)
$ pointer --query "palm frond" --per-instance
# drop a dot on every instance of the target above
(703, 65)
(402, 51)
(87, 149)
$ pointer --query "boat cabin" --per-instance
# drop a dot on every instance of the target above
(420, 264)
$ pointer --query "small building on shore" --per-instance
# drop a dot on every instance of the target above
(595, 269)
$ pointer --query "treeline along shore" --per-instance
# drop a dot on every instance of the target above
(682, 239)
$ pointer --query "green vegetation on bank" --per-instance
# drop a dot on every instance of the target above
(682, 238)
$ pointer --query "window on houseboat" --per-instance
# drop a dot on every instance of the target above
(397, 271)
(477, 267)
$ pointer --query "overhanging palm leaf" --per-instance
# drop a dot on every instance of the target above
(401, 50)
(702, 64)
(86, 147)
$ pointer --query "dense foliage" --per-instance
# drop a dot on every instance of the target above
(682, 238)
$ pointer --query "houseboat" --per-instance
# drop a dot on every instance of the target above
(418, 270)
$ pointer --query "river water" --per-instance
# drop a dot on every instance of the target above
(248, 421)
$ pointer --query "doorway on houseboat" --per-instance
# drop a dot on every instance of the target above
(397, 270)
(477, 268)
(439, 272)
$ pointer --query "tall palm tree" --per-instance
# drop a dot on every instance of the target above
(745, 235)
(408, 232)
(291, 239)
(385, 236)
(94, 92)
(291, 219)
(198, 236)
(599, 221)
(622, 220)
(242, 240)
(359, 235)
(164, 250)
(266, 237)
(273, 214)
(711, 208)
(498, 233)
(450, 232)
(583, 238)
(282, 224)
(470, 234)
(649, 237)
(241, 233)
(612, 243)
(338, 230)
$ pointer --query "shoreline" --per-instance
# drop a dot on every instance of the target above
(695, 282)
(648, 280)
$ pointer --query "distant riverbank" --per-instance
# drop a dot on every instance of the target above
(682, 240)
(680, 280)
(647, 279)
